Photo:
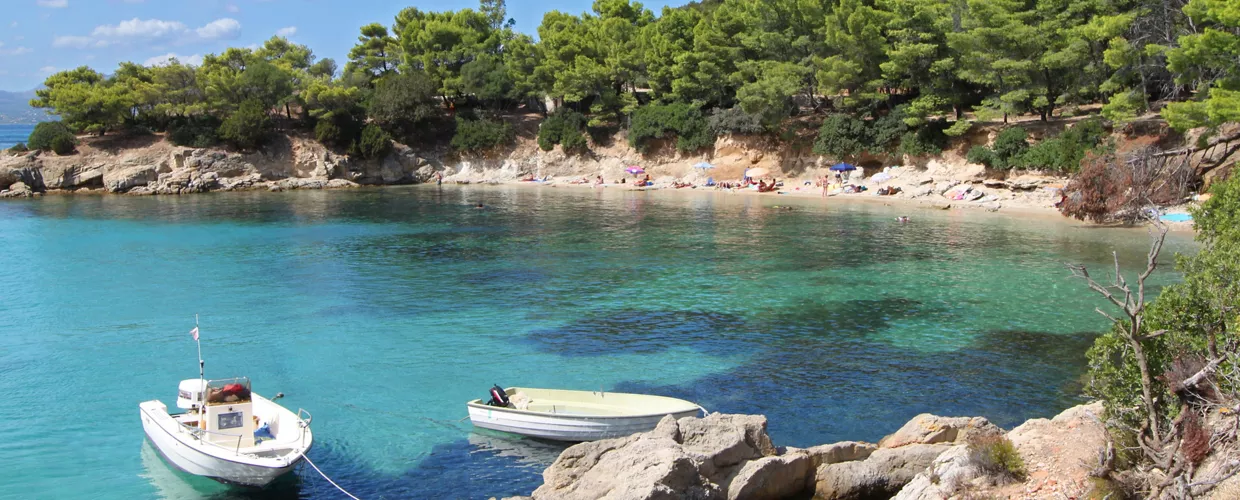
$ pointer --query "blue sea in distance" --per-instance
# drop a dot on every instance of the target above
(13, 134)
(382, 311)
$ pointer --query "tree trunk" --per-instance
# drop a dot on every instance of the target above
(1147, 382)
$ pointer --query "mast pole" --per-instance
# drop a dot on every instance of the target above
(199, 342)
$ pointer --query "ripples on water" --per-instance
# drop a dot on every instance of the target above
(382, 311)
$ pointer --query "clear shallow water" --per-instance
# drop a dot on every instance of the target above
(382, 311)
(13, 134)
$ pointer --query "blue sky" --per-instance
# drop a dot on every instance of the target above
(39, 37)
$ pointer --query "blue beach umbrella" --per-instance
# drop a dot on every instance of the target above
(842, 167)
(703, 165)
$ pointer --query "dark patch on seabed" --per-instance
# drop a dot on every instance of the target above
(827, 390)
(723, 334)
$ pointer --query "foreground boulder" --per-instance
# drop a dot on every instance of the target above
(717, 457)
(881, 475)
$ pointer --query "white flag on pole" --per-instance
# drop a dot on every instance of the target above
(194, 332)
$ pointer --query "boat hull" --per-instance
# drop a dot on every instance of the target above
(574, 428)
(163, 433)
(568, 415)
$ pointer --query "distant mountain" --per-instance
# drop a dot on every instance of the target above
(15, 108)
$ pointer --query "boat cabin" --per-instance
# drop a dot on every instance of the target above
(222, 408)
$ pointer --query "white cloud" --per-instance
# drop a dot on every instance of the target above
(139, 28)
(194, 60)
(13, 24)
(287, 31)
(16, 51)
(47, 69)
(78, 42)
(55, 4)
(219, 28)
(148, 31)
(232, 7)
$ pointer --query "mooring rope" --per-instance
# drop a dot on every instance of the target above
(316, 469)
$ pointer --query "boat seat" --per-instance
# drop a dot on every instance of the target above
(520, 401)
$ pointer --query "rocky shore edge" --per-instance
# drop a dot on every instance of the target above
(732, 457)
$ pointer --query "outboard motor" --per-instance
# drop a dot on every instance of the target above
(498, 397)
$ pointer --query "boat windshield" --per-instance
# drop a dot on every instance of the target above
(229, 390)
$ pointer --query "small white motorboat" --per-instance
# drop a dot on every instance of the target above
(227, 432)
(564, 415)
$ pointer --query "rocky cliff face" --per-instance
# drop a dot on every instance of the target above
(155, 166)
(929, 458)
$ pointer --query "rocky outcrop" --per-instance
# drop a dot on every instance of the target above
(881, 475)
(17, 190)
(124, 179)
(716, 457)
(932, 429)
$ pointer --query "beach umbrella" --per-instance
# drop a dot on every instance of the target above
(703, 165)
(842, 167)
(881, 177)
(635, 170)
(756, 172)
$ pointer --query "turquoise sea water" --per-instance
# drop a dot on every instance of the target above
(13, 134)
(382, 311)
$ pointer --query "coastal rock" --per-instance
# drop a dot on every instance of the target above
(719, 456)
(634, 467)
(949, 473)
(771, 478)
(124, 179)
(1059, 453)
(69, 176)
(933, 429)
(726, 440)
(942, 186)
(844, 451)
(881, 475)
(922, 191)
(17, 190)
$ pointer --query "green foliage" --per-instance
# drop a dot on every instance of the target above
(1206, 59)
(663, 121)
(1064, 152)
(565, 127)
(1006, 152)
(46, 135)
(196, 132)
(996, 454)
(18, 148)
(402, 101)
(734, 121)
(246, 128)
(482, 135)
(928, 139)
(842, 137)
(375, 142)
(1204, 303)
(63, 145)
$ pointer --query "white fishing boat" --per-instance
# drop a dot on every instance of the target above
(564, 415)
(227, 432)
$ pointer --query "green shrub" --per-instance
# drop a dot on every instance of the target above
(1011, 143)
(982, 155)
(1064, 152)
(565, 127)
(928, 139)
(247, 127)
(45, 132)
(1006, 152)
(996, 454)
(375, 142)
(734, 121)
(18, 148)
(842, 136)
(481, 135)
(195, 131)
(63, 145)
(662, 121)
